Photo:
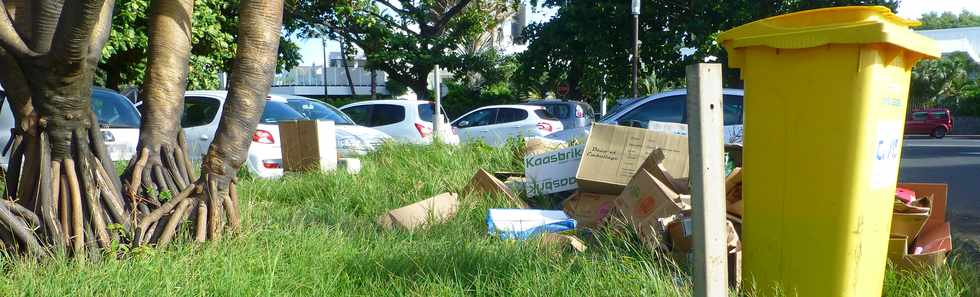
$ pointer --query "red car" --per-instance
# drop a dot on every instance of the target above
(936, 122)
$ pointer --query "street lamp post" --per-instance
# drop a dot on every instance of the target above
(635, 11)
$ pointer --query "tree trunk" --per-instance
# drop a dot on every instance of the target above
(420, 87)
(350, 82)
(374, 84)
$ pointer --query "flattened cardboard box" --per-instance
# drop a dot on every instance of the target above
(308, 145)
(589, 209)
(437, 209)
(645, 203)
(613, 154)
(552, 172)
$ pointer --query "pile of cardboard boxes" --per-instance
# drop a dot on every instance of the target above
(637, 179)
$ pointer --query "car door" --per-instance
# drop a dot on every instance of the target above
(510, 123)
(199, 122)
(476, 125)
(916, 123)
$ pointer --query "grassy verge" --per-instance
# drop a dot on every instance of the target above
(315, 235)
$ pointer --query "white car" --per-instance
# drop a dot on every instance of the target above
(352, 140)
(118, 120)
(668, 107)
(405, 120)
(202, 112)
(494, 125)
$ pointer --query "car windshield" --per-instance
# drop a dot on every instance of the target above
(320, 111)
(427, 110)
(276, 112)
(114, 110)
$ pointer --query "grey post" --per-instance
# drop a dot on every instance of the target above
(437, 117)
(635, 11)
(707, 148)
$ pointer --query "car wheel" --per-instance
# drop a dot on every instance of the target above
(939, 132)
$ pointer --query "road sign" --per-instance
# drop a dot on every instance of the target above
(563, 89)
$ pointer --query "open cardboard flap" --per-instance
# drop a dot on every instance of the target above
(646, 203)
(437, 209)
(484, 182)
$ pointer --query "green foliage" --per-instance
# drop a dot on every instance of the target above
(946, 20)
(592, 54)
(952, 82)
(215, 26)
(405, 40)
(462, 99)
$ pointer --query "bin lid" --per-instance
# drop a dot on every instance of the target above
(835, 25)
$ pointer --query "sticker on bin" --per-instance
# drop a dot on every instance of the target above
(887, 147)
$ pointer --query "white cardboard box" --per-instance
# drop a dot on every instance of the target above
(552, 172)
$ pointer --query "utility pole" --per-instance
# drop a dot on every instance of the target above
(325, 61)
(437, 117)
(636, 47)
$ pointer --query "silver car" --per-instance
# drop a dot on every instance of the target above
(352, 140)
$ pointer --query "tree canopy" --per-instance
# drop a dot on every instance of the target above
(124, 57)
(405, 39)
(946, 20)
(592, 54)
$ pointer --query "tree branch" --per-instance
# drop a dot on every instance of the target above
(392, 6)
(73, 37)
(440, 25)
(393, 23)
(101, 32)
(45, 20)
(9, 38)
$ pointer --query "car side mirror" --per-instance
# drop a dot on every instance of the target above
(463, 124)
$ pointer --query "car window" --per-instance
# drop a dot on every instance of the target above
(939, 115)
(427, 110)
(481, 117)
(114, 110)
(733, 110)
(359, 114)
(316, 110)
(587, 111)
(508, 115)
(919, 115)
(276, 112)
(199, 111)
(544, 114)
(386, 114)
(670, 109)
(561, 111)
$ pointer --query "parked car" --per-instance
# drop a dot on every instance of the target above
(669, 107)
(202, 112)
(572, 114)
(118, 120)
(352, 140)
(494, 125)
(404, 120)
(937, 122)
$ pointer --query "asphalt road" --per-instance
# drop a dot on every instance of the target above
(954, 160)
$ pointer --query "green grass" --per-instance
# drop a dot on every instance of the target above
(315, 235)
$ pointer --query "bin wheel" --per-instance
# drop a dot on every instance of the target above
(939, 132)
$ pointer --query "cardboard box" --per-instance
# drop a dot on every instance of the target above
(645, 204)
(613, 154)
(561, 240)
(437, 209)
(930, 250)
(589, 209)
(553, 171)
(308, 145)
(484, 182)
(939, 193)
(908, 224)
(541, 145)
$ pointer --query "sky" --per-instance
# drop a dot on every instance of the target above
(312, 50)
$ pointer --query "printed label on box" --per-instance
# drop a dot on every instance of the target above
(554, 171)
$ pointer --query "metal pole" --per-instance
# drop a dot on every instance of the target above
(437, 117)
(325, 67)
(636, 55)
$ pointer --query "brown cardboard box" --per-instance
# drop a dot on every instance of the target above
(928, 251)
(589, 209)
(308, 145)
(938, 192)
(613, 154)
(908, 224)
(655, 164)
(645, 203)
(484, 182)
(437, 209)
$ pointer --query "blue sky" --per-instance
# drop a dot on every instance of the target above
(311, 49)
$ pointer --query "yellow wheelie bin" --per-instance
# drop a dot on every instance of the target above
(825, 102)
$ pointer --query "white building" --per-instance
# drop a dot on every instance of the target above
(957, 40)
(309, 80)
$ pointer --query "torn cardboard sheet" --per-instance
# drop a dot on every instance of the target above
(484, 182)
(646, 204)
(437, 209)
(553, 171)
(933, 244)
(654, 163)
(540, 145)
(613, 154)
(589, 209)
(561, 240)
